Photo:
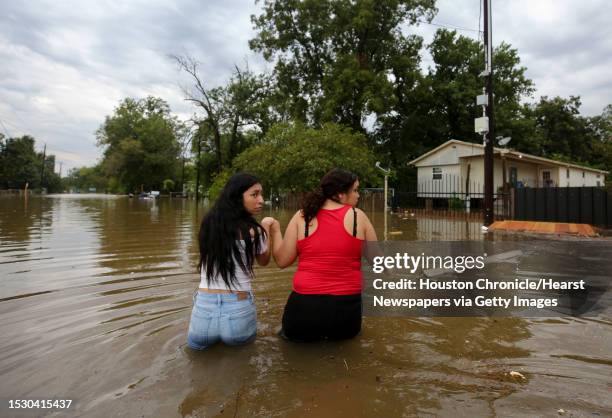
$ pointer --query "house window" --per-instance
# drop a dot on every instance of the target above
(598, 183)
(567, 173)
(583, 174)
(437, 173)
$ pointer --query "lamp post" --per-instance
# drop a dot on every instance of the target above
(386, 173)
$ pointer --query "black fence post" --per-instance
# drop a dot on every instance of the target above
(609, 208)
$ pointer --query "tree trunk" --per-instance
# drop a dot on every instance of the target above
(197, 190)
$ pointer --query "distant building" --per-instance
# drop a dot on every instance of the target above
(458, 167)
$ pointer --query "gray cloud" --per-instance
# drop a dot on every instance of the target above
(66, 65)
(566, 45)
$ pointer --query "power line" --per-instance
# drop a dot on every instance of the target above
(449, 26)
(53, 147)
(13, 125)
(5, 130)
(16, 114)
(18, 129)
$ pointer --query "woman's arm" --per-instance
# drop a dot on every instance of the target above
(371, 247)
(364, 221)
(285, 249)
(264, 258)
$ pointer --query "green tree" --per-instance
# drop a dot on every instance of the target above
(455, 82)
(83, 178)
(140, 142)
(168, 185)
(293, 157)
(601, 147)
(441, 104)
(230, 112)
(334, 59)
(19, 163)
(559, 129)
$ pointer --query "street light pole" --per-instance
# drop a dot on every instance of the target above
(386, 173)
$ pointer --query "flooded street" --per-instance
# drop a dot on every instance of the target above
(96, 294)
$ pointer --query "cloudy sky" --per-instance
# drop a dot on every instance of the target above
(65, 65)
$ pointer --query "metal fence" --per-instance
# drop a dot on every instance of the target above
(450, 196)
(590, 205)
(457, 198)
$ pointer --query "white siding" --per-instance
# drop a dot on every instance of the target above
(447, 184)
(454, 174)
(576, 180)
(449, 155)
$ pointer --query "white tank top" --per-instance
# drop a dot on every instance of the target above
(243, 280)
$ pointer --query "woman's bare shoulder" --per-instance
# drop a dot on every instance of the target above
(360, 213)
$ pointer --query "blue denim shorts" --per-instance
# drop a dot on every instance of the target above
(221, 317)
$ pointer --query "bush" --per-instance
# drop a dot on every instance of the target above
(293, 157)
(218, 183)
(168, 185)
(456, 203)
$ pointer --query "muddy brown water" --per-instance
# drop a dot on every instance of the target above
(96, 293)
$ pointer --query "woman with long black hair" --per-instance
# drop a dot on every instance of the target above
(230, 241)
(326, 236)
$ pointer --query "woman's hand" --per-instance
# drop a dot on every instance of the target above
(267, 222)
(275, 225)
(264, 258)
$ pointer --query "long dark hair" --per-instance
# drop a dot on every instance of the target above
(226, 223)
(336, 181)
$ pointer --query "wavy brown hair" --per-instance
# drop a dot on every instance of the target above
(333, 183)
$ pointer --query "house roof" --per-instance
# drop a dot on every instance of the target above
(511, 153)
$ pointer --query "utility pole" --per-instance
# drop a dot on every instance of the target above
(42, 168)
(197, 190)
(489, 135)
(60, 173)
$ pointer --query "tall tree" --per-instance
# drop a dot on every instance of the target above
(140, 142)
(560, 132)
(455, 80)
(208, 99)
(244, 104)
(19, 163)
(85, 178)
(441, 104)
(333, 59)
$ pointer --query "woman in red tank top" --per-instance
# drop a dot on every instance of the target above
(326, 236)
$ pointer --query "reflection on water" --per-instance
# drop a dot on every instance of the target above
(95, 303)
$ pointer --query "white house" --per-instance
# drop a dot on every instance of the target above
(457, 167)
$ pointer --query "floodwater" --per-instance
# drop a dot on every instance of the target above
(95, 300)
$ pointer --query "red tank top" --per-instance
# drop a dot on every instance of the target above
(329, 259)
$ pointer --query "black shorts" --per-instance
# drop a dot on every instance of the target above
(320, 317)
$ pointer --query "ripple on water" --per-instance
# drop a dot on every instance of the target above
(96, 299)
